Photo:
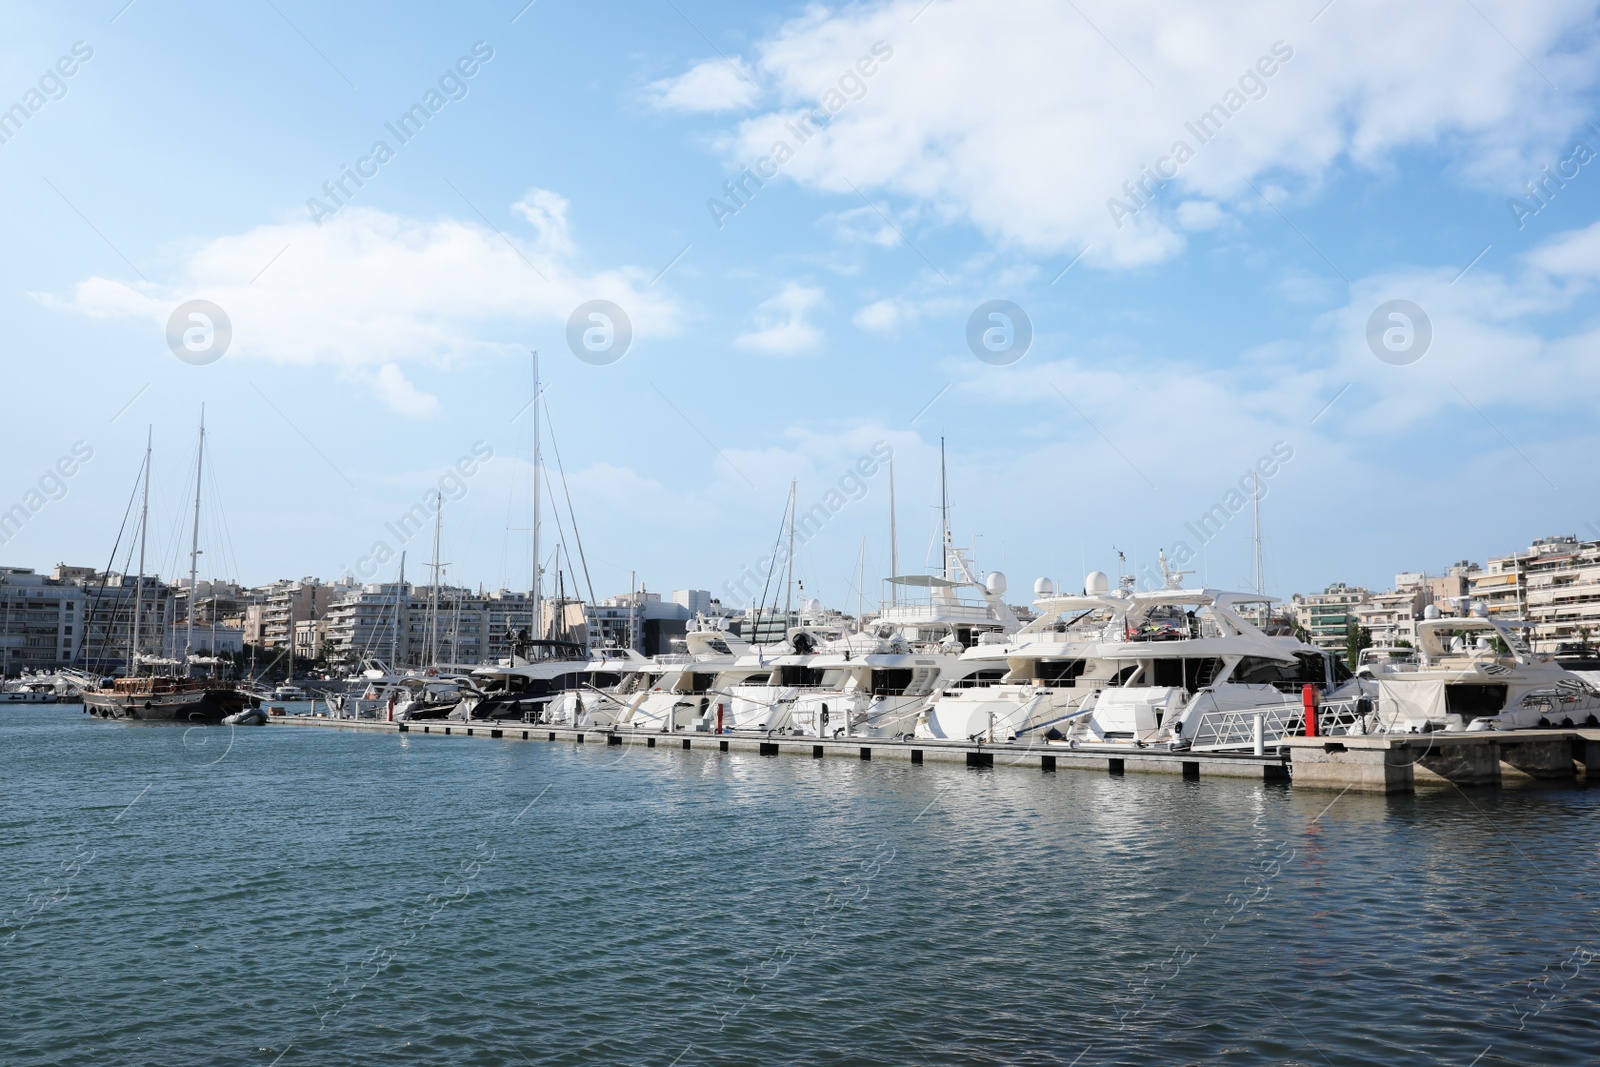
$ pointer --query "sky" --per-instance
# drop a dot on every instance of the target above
(1116, 256)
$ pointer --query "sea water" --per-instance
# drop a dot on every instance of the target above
(285, 895)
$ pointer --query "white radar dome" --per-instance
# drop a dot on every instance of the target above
(1096, 583)
(1431, 611)
(1480, 609)
(995, 583)
(1044, 587)
(813, 607)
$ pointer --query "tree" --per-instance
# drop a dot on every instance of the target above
(1356, 637)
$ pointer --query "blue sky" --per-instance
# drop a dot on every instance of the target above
(374, 346)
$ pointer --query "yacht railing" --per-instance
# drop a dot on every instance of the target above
(926, 612)
(1257, 727)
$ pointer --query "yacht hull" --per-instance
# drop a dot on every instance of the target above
(198, 706)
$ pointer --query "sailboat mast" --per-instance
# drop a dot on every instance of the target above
(394, 641)
(944, 508)
(894, 538)
(788, 597)
(1261, 583)
(433, 595)
(138, 587)
(194, 549)
(861, 585)
(538, 476)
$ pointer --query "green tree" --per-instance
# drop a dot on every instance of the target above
(1356, 637)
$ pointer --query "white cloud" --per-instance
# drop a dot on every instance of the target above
(400, 395)
(880, 316)
(1025, 124)
(370, 293)
(781, 325)
(1199, 215)
(711, 85)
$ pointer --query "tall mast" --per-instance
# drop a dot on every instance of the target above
(861, 585)
(538, 476)
(894, 538)
(288, 625)
(138, 587)
(194, 549)
(944, 508)
(394, 641)
(788, 597)
(1261, 583)
(433, 595)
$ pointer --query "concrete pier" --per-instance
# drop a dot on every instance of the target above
(1400, 763)
(1385, 763)
(1047, 758)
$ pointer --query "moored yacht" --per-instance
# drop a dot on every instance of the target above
(876, 683)
(1478, 673)
(1173, 668)
(178, 696)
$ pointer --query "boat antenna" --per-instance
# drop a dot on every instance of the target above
(194, 555)
(138, 588)
(1261, 584)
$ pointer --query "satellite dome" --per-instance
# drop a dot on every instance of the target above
(995, 583)
(813, 607)
(1044, 587)
(1480, 609)
(1096, 583)
(1431, 611)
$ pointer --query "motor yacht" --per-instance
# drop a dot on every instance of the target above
(1478, 673)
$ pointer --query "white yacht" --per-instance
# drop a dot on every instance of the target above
(1478, 673)
(1172, 668)
(539, 672)
(876, 683)
(759, 690)
(668, 693)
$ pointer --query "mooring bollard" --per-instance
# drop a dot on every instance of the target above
(1258, 732)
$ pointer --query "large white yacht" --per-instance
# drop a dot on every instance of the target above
(1171, 668)
(877, 682)
(1478, 673)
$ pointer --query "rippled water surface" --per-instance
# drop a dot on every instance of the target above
(296, 896)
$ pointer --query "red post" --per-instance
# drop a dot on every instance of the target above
(719, 716)
(1308, 702)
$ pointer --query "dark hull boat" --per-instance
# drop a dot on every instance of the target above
(180, 700)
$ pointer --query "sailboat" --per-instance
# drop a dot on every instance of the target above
(177, 697)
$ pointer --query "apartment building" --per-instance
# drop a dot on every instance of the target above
(1326, 616)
